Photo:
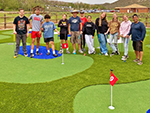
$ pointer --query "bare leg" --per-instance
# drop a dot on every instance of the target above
(47, 45)
(74, 46)
(52, 45)
(66, 41)
(38, 43)
(61, 41)
(141, 55)
(32, 44)
(137, 54)
(61, 44)
(79, 45)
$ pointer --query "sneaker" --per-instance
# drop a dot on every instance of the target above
(94, 52)
(37, 53)
(68, 52)
(16, 55)
(140, 63)
(106, 54)
(74, 52)
(60, 52)
(55, 55)
(31, 55)
(117, 52)
(48, 53)
(124, 58)
(113, 53)
(136, 60)
(84, 49)
(80, 51)
(25, 54)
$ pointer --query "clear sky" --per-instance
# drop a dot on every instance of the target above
(90, 1)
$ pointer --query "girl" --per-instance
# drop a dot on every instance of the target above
(102, 27)
(114, 26)
(89, 30)
(124, 30)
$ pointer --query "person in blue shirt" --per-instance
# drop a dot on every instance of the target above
(48, 33)
(138, 32)
(74, 25)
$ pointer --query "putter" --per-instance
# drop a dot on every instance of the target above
(58, 42)
(121, 44)
(108, 47)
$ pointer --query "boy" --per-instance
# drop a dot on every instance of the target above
(37, 21)
(21, 30)
(48, 34)
(63, 24)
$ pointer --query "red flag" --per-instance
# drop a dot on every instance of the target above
(65, 45)
(113, 79)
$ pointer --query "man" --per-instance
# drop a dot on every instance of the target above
(138, 32)
(37, 21)
(21, 30)
(63, 24)
(74, 25)
(48, 33)
(83, 20)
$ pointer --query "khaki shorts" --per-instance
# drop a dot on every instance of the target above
(75, 37)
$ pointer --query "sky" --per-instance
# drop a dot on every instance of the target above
(89, 1)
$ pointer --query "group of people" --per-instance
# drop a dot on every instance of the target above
(82, 30)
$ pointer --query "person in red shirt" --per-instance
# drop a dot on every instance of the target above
(84, 20)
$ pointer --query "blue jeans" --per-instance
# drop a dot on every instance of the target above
(102, 41)
(125, 43)
(115, 37)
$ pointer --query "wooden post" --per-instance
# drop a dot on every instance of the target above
(146, 21)
(56, 17)
(4, 21)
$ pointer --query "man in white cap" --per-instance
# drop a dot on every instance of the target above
(74, 25)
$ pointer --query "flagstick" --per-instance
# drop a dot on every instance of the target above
(111, 107)
(62, 58)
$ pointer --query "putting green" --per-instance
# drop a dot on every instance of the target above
(8, 32)
(4, 37)
(27, 70)
(127, 98)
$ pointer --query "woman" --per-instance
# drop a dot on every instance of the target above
(102, 27)
(89, 30)
(114, 26)
(124, 30)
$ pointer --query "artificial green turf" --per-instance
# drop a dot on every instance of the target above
(27, 70)
(57, 96)
(4, 37)
(127, 98)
